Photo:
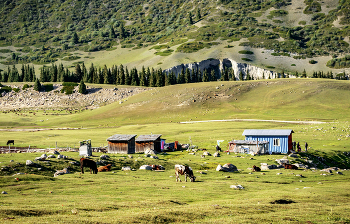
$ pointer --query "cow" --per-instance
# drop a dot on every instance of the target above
(10, 142)
(104, 168)
(88, 163)
(290, 166)
(184, 170)
(157, 167)
(256, 168)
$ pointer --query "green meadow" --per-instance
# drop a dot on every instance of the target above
(316, 109)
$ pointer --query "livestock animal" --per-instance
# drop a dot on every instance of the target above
(290, 166)
(256, 168)
(184, 170)
(88, 163)
(157, 167)
(104, 168)
(10, 142)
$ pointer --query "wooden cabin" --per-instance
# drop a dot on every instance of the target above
(144, 142)
(250, 147)
(280, 140)
(121, 144)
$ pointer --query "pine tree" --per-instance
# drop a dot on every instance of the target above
(190, 21)
(303, 74)
(82, 87)
(143, 77)
(75, 38)
(122, 31)
(187, 76)
(127, 77)
(240, 76)
(205, 76)
(199, 78)
(134, 77)
(248, 75)
(212, 75)
(37, 85)
(121, 75)
(105, 75)
(112, 33)
(85, 73)
(198, 16)
(78, 73)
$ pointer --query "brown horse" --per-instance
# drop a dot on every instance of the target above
(88, 163)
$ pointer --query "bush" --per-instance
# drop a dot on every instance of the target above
(48, 87)
(246, 59)
(245, 52)
(25, 86)
(312, 62)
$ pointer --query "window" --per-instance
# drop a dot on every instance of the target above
(276, 142)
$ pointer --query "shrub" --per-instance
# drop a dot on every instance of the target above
(48, 87)
(245, 52)
(312, 61)
(246, 59)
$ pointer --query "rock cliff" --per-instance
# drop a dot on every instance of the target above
(218, 65)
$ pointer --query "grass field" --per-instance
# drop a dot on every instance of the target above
(154, 197)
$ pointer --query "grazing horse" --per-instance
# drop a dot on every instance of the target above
(88, 163)
(184, 170)
(10, 142)
(256, 168)
(290, 166)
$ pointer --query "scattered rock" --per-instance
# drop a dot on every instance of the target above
(29, 163)
(61, 172)
(150, 151)
(51, 156)
(239, 187)
(126, 168)
(154, 157)
(206, 153)
(130, 156)
(3, 192)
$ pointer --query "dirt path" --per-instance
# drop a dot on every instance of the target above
(256, 120)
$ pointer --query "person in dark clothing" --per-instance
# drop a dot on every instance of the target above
(298, 146)
(294, 145)
(306, 145)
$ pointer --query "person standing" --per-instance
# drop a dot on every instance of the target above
(298, 147)
(306, 145)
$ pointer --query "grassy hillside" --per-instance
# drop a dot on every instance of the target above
(43, 32)
(161, 109)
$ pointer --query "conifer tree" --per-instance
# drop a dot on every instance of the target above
(127, 77)
(82, 87)
(187, 76)
(37, 85)
(121, 75)
(205, 76)
(105, 75)
(75, 38)
(240, 76)
(212, 75)
(199, 75)
(143, 77)
(122, 31)
(198, 16)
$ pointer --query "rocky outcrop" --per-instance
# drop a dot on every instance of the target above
(218, 65)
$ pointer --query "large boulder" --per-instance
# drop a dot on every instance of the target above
(29, 163)
(228, 167)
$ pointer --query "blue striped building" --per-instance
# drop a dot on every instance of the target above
(280, 140)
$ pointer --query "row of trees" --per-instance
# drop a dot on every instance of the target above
(120, 75)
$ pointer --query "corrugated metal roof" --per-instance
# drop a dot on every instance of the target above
(118, 137)
(248, 142)
(147, 138)
(268, 132)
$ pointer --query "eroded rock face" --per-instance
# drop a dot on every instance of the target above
(218, 65)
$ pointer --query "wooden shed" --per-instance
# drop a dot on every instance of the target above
(144, 142)
(121, 144)
(251, 147)
(280, 140)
